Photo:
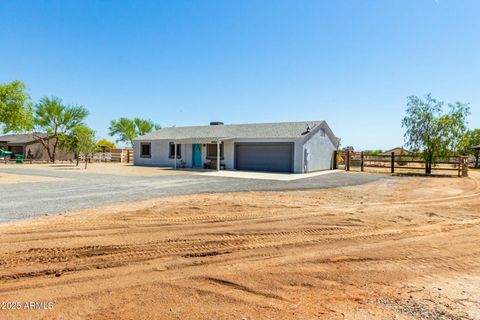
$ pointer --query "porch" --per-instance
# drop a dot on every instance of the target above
(198, 153)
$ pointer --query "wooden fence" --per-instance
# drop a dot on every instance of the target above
(122, 155)
(115, 155)
(359, 161)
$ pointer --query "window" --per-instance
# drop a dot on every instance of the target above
(172, 151)
(322, 132)
(212, 151)
(145, 150)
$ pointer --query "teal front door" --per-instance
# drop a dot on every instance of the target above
(196, 155)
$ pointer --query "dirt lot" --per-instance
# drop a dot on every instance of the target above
(402, 248)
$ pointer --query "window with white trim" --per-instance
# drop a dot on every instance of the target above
(145, 150)
(172, 150)
(212, 151)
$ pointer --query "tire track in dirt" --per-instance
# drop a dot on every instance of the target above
(211, 244)
(107, 255)
(467, 196)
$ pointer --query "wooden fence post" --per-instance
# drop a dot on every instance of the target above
(361, 161)
(465, 167)
(460, 165)
(347, 162)
(392, 163)
(128, 156)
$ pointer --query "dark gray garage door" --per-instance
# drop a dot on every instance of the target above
(274, 157)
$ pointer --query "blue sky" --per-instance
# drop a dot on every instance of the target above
(352, 63)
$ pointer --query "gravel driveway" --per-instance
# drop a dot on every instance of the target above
(83, 190)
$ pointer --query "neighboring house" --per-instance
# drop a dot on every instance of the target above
(398, 151)
(277, 147)
(30, 146)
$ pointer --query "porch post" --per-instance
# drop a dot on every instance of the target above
(175, 154)
(218, 155)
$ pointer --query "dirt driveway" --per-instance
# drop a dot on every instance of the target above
(400, 248)
(37, 190)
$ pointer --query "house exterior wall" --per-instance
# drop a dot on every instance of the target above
(38, 151)
(317, 152)
(313, 154)
(160, 151)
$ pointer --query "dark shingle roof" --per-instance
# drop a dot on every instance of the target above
(236, 131)
(21, 138)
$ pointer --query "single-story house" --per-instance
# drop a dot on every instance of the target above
(295, 147)
(31, 147)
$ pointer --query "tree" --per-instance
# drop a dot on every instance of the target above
(55, 119)
(126, 129)
(104, 143)
(373, 152)
(430, 130)
(471, 139)
(86, 143)
(15, 107)
(70, 142)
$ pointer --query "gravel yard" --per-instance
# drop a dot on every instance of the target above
(73, 189)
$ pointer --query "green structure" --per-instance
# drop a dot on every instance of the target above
(5, 155)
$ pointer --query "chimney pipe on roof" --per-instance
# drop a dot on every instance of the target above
(216, 123)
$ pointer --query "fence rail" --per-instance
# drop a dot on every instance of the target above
(359, 161)
(115, 155)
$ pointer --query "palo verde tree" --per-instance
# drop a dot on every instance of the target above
(127, 129)
(433, 131)
(70, 142)
(15, 107)
(86, 143)
(55, 119)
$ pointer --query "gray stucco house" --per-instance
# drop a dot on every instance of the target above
(295, 147)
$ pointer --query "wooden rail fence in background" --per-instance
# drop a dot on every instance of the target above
(359, 161)
(115, 155)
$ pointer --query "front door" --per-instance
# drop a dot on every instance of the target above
(196, 155)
